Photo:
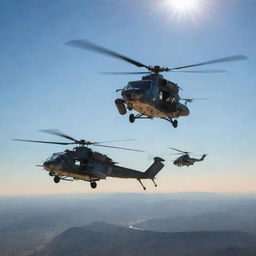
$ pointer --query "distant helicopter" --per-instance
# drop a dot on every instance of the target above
(185, 159)
(153, 95)
(82, 163)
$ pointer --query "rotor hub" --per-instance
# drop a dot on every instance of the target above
(157, 69)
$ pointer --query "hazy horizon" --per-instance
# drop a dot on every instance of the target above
(46, 84)
(31, 224)
(92, 194)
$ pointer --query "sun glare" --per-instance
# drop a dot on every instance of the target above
(184, 5)
(182, 10)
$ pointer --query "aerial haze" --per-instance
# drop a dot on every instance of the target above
(135, 223)
(46, 84)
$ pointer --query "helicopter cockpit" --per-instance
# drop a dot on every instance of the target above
(55, 162)
(136, 90)
(56, 156)
(145, 85)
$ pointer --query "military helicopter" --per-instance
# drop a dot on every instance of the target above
(82, 163)
(185, 159)
(153, 95)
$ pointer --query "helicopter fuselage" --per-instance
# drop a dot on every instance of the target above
(186, 160)
(156, 97)
(153, 107)
(84, 164)
(153, 96)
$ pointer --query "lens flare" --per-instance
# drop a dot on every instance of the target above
(183, 5)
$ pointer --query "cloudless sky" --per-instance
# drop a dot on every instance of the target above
(45, 84)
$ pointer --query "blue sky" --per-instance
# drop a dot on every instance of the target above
(46, 84)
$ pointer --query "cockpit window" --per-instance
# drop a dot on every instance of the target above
(55, 156)
(140, 85)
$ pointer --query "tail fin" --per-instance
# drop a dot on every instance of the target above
(154, 169)
(203, 157)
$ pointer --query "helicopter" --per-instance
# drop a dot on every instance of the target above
(185, 159)
(82, 163)
(153, 96)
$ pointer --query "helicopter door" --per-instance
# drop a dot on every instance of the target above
(155, 92)
(109, 170)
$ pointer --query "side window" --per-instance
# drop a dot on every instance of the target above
(160, 95)
(155, 92)
(164, 96)
(169, 99)
(109, 170)
(77, 163)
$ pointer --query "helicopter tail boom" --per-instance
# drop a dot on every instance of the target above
(203, 157)
(199, 160)
(154, 169)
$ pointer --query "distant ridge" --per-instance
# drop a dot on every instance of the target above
(233, 220)
(100, 239)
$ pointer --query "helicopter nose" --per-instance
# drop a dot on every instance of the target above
(50, 165)
(46, 165)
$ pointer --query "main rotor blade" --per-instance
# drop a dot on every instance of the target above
(47, 142)
(201, 71)
(130, 149)
(110, 141)
(84, 44)
(196, 154)
(57, 133)
(124, 73)
(225, 59)
(179, 150)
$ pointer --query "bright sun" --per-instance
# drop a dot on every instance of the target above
(184, 5)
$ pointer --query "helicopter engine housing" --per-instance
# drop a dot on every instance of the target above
(99, 157)
(170, 86)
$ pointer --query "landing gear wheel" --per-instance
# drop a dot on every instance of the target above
(93, 184)
(131, 118)
(51, 174)
(175, 123)
(129, 108)
(56, 179)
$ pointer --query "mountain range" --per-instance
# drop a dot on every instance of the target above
(101, 239)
